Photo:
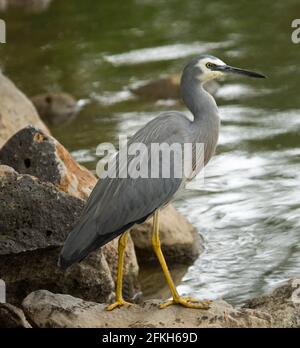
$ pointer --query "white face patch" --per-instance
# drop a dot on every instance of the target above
(207, 73)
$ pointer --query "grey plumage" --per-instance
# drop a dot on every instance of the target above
(115, 205)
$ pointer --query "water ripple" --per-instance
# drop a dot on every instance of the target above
(168, 52)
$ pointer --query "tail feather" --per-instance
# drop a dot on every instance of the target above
(80, 243)
(85, 238)
(66, 260)
(68, 256)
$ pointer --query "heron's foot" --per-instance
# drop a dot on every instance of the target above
(187, 302)
(118, 304)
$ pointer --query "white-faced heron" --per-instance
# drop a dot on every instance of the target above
(117, 204)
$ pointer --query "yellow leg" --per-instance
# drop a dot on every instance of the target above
(176, 299)
(121, 251)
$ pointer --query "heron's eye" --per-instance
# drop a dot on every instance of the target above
(210, 65)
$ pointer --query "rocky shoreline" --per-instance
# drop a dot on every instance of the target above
(44, 309)
(43, 191)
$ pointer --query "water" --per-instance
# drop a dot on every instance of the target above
(249, 209)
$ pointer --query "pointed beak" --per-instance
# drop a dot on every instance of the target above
(231, 69)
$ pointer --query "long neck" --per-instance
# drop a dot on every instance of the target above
(205, 126)
(199, 102)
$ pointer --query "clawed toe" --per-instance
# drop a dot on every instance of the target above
(187, 302)
(118, 304)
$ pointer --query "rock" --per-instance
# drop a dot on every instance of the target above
(55, 108)
(163, 88)
(93, 279)
(12, 317)
(281, 308)
(153, 281)
(180, 241)
(48, 310)
(32, 151)
(33, 214)
(167, 88)
(29, 271)
(31, 239)
(16, 111)
(283, 304)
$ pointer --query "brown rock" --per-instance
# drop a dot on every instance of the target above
(55, 108)
(31, 151)
(16, 111)
(163, 88)
(12, 317)
(47, 310)
(180, 241)
(283, 304)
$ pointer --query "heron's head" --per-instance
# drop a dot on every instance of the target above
(205, 68)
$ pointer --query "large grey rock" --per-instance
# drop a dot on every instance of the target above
(55, 108)
(29, 271)
(32, 151)
(283, 304)
(33, 214)
(35, 219)
(281, 308)
(12, 317)
(180, 241)
(48, 310)
(16, 110)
